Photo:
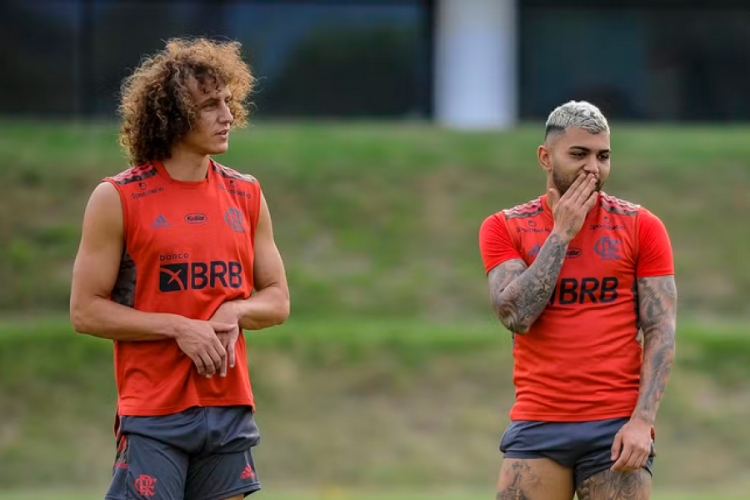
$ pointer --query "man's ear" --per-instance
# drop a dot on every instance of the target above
(544, 155)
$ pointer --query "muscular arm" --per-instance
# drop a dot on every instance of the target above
(657, 298)
(520, 294)
(269, 305)
(94, 274)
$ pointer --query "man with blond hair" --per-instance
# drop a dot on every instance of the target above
(575, 274)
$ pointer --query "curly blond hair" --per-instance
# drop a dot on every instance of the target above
(156, 106)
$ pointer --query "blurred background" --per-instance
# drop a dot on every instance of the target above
(383, 132)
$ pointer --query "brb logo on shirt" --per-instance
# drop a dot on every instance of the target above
(181, 276)
(586, 290)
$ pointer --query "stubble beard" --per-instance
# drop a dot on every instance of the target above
(562, 183)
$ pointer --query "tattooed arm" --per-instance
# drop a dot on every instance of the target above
(656, 316)
(520, 294)
(657, 297)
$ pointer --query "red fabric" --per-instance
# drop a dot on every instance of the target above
(192, 246)
(581, 359)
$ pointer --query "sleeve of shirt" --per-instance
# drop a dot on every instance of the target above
(655, 250)
(495, 244)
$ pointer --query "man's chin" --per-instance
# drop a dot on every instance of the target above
(219, 149)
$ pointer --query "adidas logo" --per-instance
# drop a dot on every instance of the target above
(248, 473)
(160, 222)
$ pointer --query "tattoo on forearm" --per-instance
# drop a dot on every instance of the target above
(519, 295)
(610, 484)
(658, 303)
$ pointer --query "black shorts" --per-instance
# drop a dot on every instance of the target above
(197, 454)
(586, 447)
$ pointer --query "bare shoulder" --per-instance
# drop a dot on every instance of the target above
(104, 213)
(105, 197)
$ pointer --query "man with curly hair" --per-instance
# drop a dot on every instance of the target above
(177, 258)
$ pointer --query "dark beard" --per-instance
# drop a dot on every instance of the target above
(562, 183)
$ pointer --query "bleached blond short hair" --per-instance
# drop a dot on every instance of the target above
(576, 114)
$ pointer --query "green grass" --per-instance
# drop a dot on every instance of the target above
(381, 220)
(337, 495)
(391, 370)
(352, 406)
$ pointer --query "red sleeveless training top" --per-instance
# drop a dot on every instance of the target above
(188, 249)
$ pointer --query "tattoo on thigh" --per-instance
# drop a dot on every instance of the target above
(611, 485)
(524, 479)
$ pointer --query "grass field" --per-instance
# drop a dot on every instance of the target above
(339, 495)
(391, 370)
(352, 406)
